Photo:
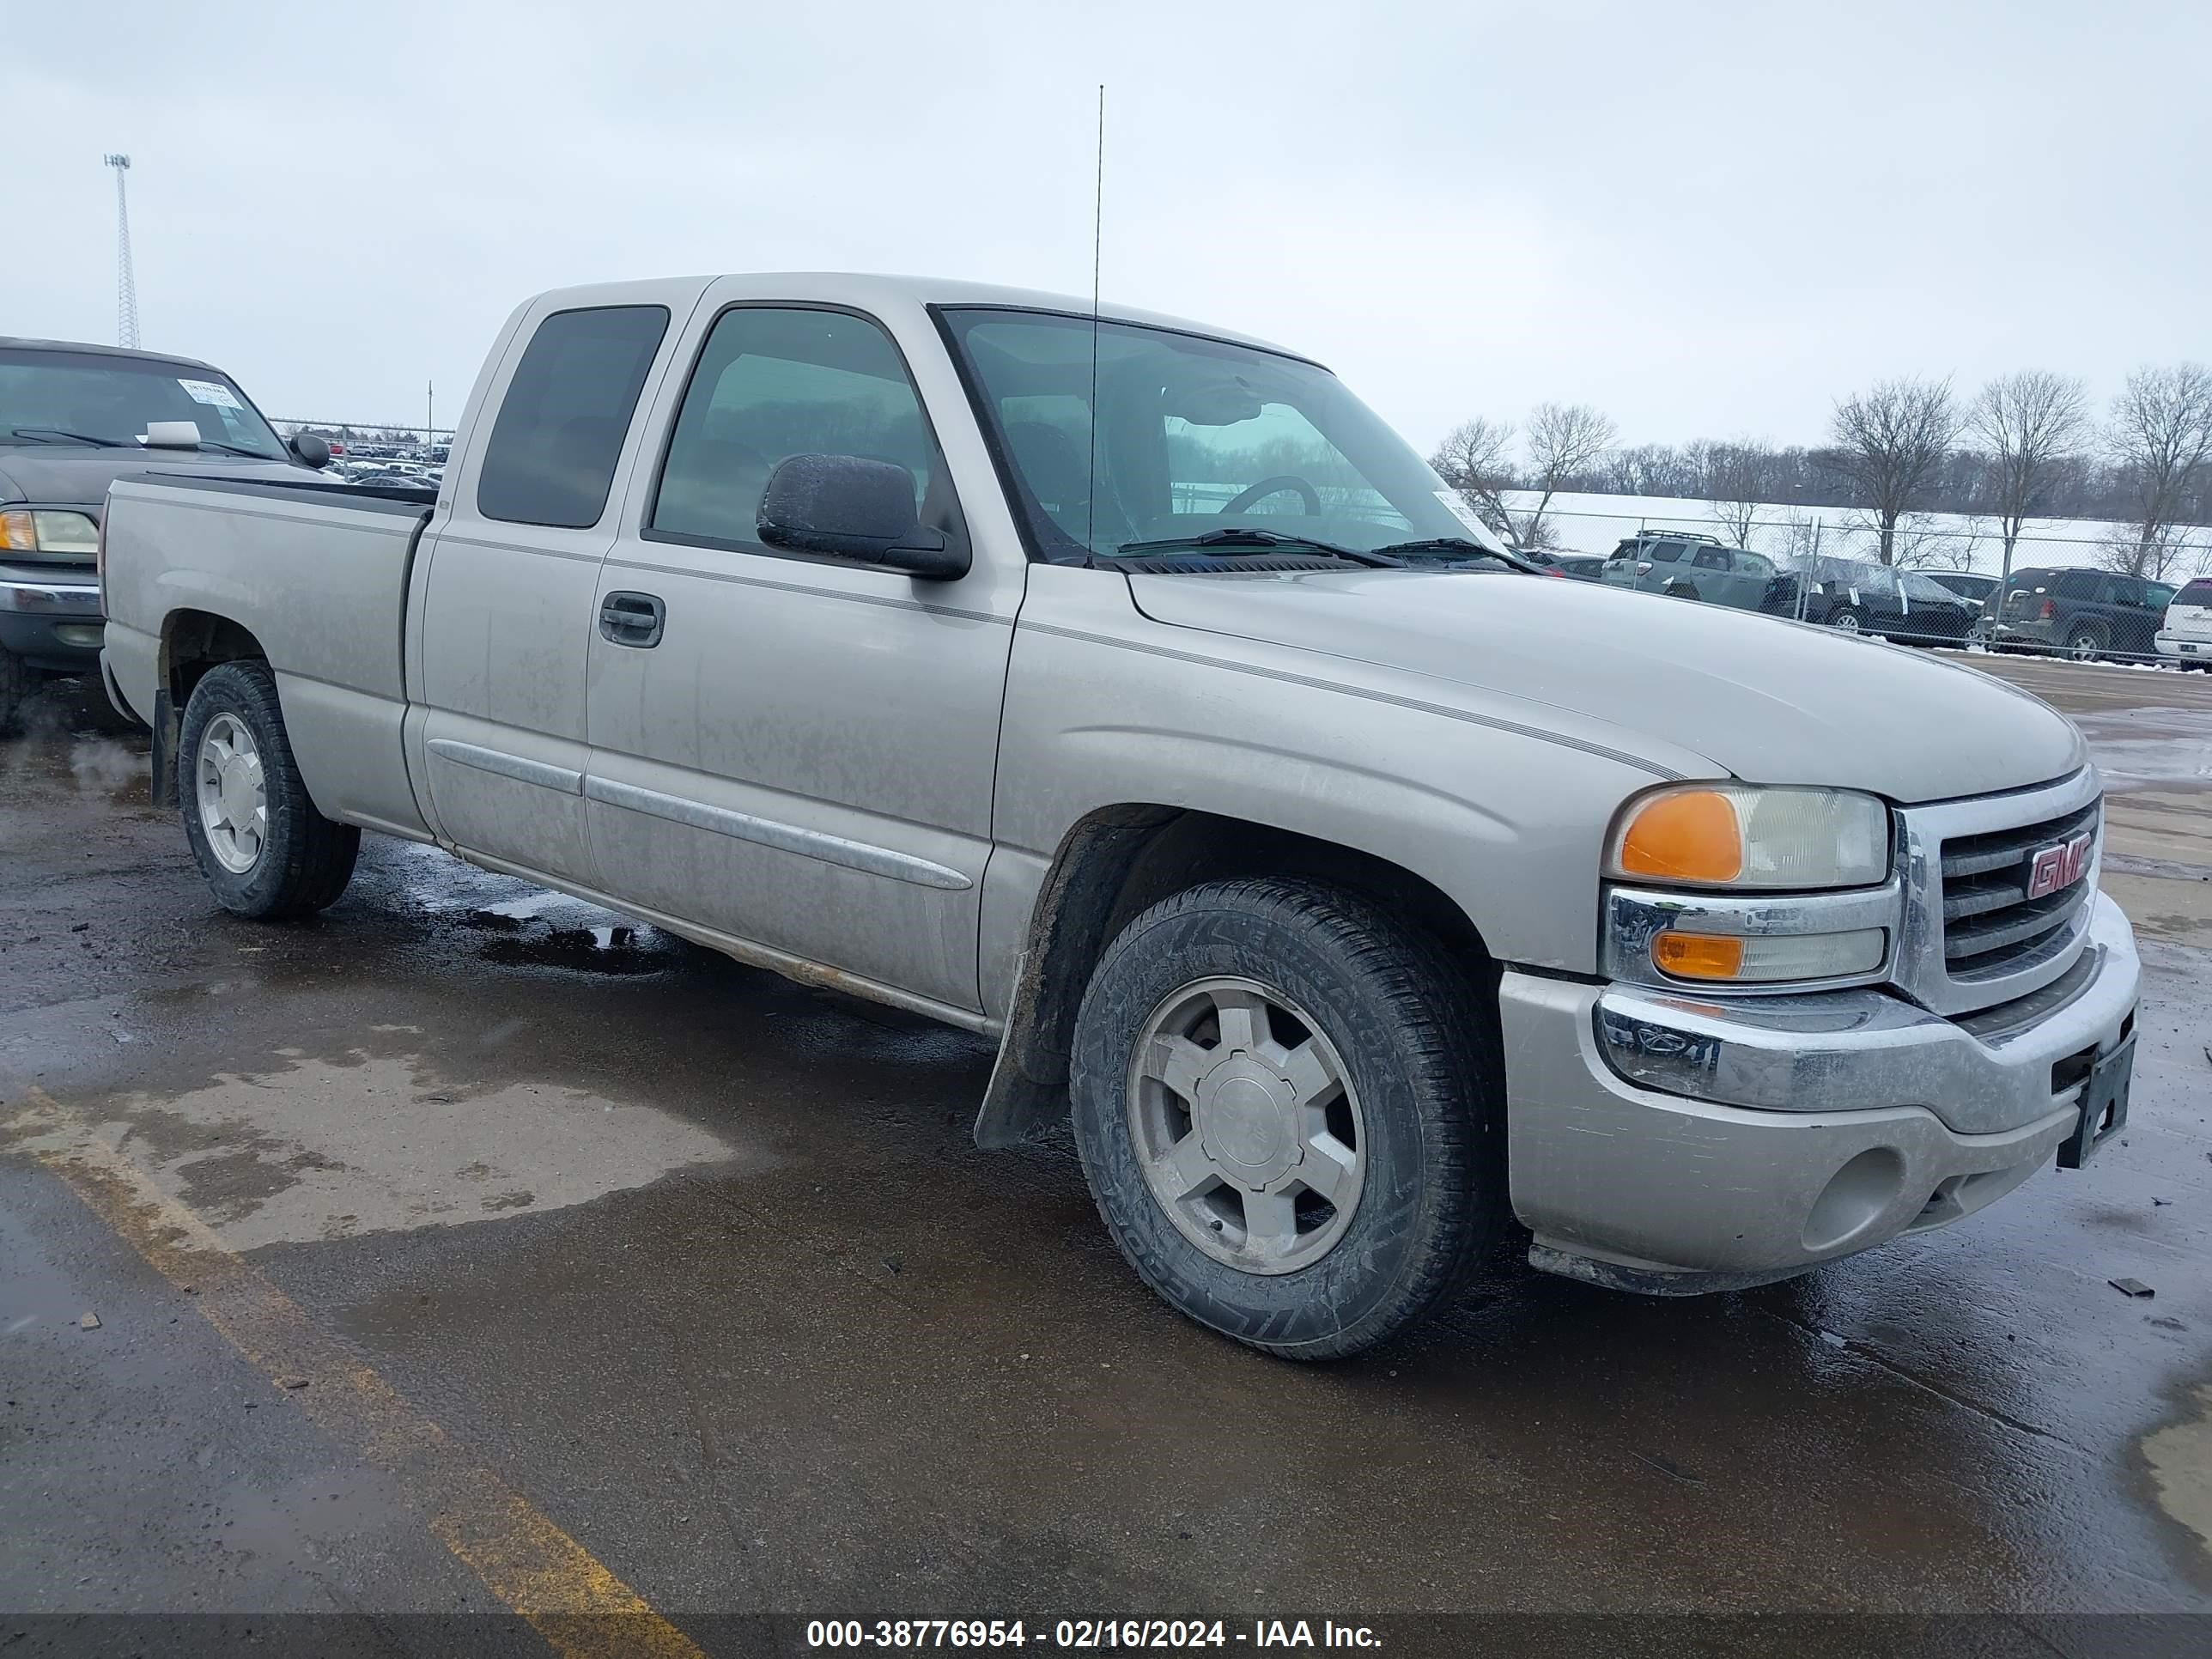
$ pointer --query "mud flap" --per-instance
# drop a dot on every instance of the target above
(165, 727)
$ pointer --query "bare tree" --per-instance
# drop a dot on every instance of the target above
(1475, 459)
(1893, 441)
(1736, 475)
(1565, 442)
(2033, 424)
(2160, 439)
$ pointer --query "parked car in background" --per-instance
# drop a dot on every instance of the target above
(1859, 596)
(1694, 567)
(2185, 636)
(1582, 567)
(2087, 614)
(1966, 584)
(73, 419)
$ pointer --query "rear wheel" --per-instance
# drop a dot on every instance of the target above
(1847, 619)
(1680, 590)
(1288, 1114)
(2086, 643)
(264, 849)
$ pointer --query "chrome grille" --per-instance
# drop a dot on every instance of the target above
(1972, 939)
(1988, 921)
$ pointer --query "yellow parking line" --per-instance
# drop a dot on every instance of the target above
(579, 1605)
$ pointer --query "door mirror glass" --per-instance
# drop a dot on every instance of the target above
(851, 507)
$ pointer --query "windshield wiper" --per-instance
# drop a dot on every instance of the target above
(1244, 536)
(1463, 547)
(33, 432)
(250, 454)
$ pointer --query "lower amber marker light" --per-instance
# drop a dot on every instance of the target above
(1698, 955)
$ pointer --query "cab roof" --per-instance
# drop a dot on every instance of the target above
(874, 292)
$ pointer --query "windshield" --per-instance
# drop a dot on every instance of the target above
(1193, 436)
(1916, 586)
(89, 398)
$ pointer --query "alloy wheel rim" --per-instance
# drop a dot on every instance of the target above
(1246, 1125)
(234, 794)
(1848, 623)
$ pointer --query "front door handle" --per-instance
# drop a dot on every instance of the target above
(632, 619)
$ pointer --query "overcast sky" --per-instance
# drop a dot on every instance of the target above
(1704, 218)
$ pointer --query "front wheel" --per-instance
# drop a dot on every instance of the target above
(1289, 1114)
(264, 849)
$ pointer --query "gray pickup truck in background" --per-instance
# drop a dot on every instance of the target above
(1125, 691)
(73, 419)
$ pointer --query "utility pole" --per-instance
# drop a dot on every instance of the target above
(126, 283)
(429, 412)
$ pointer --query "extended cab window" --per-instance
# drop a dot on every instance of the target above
(553, 450)
(772, 384)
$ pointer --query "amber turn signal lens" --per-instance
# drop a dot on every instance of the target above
(1692, 835)
(1698, 955)
(16, 531)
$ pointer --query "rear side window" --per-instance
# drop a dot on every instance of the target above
(2080, 585)
(553, 449)
(1667, 552)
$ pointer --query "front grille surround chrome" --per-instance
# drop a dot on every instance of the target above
(1921, 970)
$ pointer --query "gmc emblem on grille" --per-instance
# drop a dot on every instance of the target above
(2062, 865)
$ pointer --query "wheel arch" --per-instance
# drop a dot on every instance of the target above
(193, 642)
(1118, 860)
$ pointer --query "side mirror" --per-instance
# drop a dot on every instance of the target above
(852, 507)
(311, 450)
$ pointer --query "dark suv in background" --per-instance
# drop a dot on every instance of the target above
(2087, 614)
(1688, 566)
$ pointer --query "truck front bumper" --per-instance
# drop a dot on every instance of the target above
(1673, 1144)
(51, 619)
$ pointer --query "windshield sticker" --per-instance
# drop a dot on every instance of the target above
(1456, 504)
(207, 392)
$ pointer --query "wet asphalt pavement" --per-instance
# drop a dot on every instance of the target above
(701, 1269)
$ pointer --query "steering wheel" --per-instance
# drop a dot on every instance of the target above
(1266, 486)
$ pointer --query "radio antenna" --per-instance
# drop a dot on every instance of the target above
(1097, 235)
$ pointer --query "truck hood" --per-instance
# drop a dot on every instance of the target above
(1768, 701)
(52, 476)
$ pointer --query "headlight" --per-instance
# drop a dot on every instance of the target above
(1740, 836)
(37, 533)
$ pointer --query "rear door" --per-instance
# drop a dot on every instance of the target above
(801, 757)
(508, 605)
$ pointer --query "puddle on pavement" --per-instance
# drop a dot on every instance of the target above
(2180, 1456)
(322, 1149)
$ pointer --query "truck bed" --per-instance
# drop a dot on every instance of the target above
(317, 574)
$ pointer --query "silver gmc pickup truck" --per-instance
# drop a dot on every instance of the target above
(1124, 690)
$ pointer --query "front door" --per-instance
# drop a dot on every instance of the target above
(798, 753)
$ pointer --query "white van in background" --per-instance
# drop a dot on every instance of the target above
(2185, 634)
